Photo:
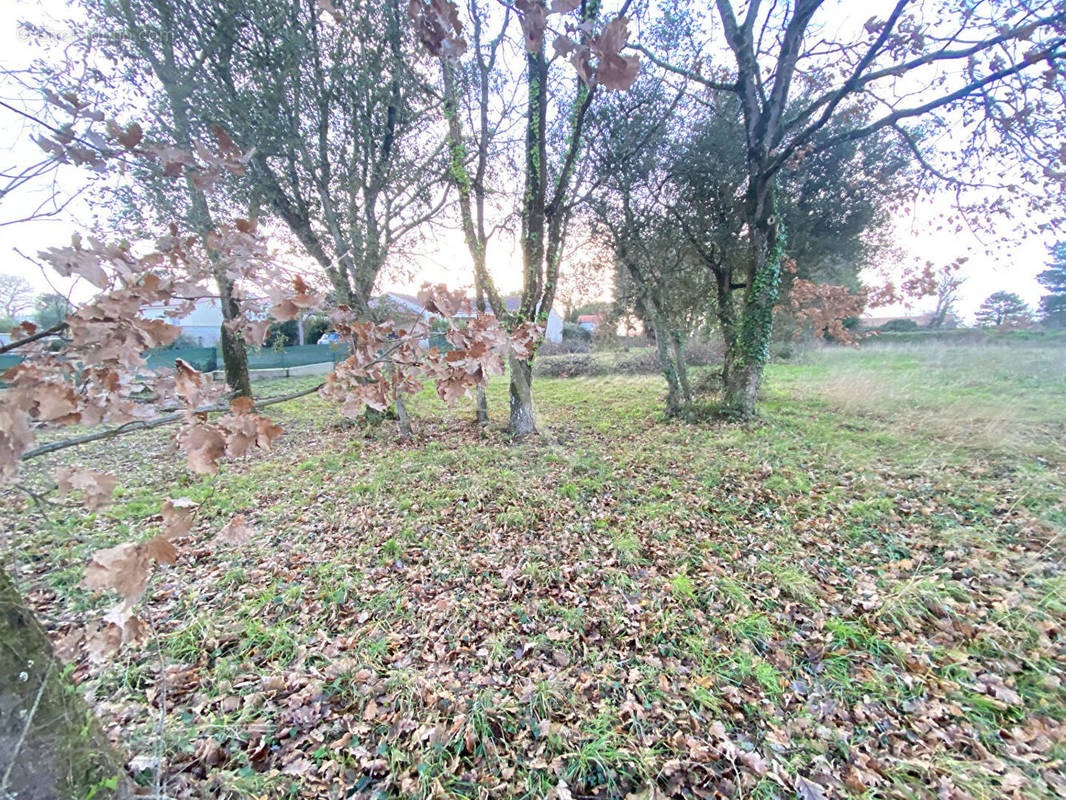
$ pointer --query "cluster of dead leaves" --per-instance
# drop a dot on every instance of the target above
(826, 307)
(387, 363)
(232, 435)
(596, 56)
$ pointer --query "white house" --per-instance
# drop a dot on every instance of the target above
(405, 308)
(202, 324)
(204, 321)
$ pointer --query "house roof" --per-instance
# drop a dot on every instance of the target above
(408, 303)
(405, 303)
(588, 318)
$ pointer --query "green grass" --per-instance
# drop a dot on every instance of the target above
(870, 569)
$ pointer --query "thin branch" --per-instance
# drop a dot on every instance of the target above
(144, 425)
(924, 162)
(59, 326)
(684, 73)
(1053, 52)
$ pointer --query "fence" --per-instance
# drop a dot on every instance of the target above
(268, 358)
(208, 359)
(204, 359)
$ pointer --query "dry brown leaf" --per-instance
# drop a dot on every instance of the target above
(177, 517)
(97, 487)
(161, 549)
(203, 446)
(123, 568)
(236, 531)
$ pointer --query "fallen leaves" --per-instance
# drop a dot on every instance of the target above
(424, 603)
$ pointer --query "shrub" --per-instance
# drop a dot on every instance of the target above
(784, 351)
(565, 347)
(899, 325)
(637, 362)
(703, 353)
(568, 366)
(573, 331)
(707, 382)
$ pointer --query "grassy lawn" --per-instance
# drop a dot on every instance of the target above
(860, 595)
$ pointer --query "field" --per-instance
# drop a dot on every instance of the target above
(859, 595)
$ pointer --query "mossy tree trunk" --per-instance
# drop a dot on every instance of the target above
(521, 390)
(51, 746)
(545, 206)
(748, 344)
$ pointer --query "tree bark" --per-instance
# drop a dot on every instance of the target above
(666, 362)
(403, 420)
(51, 746)
(234, 353)
(750, 350)
(682, 370)
(482, 406)
(521, 386)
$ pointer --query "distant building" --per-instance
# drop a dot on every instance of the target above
(405, 310)
(902, 321)
(203, 324)
(589, 322)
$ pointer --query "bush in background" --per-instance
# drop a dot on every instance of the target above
(899, 326)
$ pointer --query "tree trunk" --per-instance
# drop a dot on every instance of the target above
(742, 390)
(521, 397)
(682, 370)
(482, 406)
(50, 744)
(666, 362)
(750, 351)
(727, 318)
(234, 353)
(402, 418)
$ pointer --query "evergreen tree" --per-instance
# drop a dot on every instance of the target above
(1053, 304)
(1003, 308)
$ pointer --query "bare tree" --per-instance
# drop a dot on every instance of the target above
(470, 92)
(948, 283)
(16, 295)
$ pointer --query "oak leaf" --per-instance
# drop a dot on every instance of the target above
(96, 487)
(236, 531)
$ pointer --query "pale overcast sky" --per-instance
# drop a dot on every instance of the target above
(447, 259)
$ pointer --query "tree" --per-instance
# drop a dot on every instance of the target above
(170, 42)
(948, 283)
(1003, 309)
(668, 174)
(975, 67)
(348, 153)
(16, 295)
(548, 172)
(1053, 304)
(52, 309)
(470, 93)
(99, 375)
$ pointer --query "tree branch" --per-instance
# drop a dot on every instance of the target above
(33, 337)
(144, 425)
(684, 73)
(1051, 53)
